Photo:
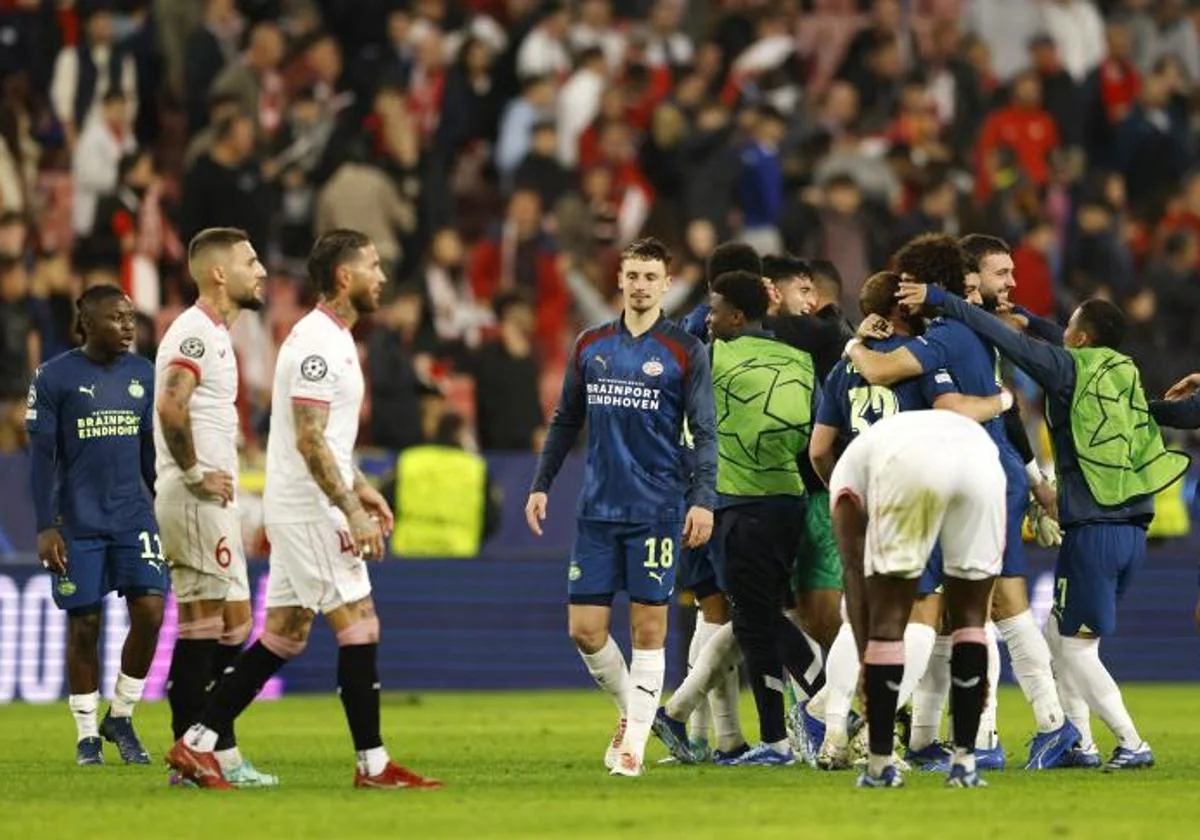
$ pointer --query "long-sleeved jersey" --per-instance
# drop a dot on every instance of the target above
(634, 393)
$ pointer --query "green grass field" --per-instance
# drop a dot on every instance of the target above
(528, 765)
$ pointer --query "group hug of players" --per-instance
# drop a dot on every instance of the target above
(106, 425)
(766, 458)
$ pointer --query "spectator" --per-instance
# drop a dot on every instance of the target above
(86, 73)
(1176, 284)
(886, 26)
(1111, 92)
(210, 48)
(471, 112)
(1173, 33)
(457, 318)
(96, 158)
(1024, 128)
(221, 107)
(398, 371)
(255, 79)
(760, 184)
(20, 351)
(362, 197)
(544, 53)
(1152, 144)
(226, 186)
(1035, 288)
(1062, 96)
(1077, 30)
(535, 105)
(14, 233)
(506, 381)
(541, 171)
(579, 101)
(595, 29)
(520, 256)
(20, 155)
(53, 292)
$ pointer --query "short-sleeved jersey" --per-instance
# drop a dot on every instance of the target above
(853, 405)
(100, 418)
(970, 362)
(635, 393)
(873, 457)
(199, 341)
(317, 365)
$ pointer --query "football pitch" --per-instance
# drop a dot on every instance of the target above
(528, 765)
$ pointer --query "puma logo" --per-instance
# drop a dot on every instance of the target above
(658, 576)
(971, 683)
(643, 688)
(892, 686)
(90, 390)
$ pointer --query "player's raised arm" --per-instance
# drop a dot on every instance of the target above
(41, 421)
(886, 368)
(1050, 366)
(173, 415)
(1040, 327)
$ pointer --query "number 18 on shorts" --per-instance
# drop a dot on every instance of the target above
(609, 557)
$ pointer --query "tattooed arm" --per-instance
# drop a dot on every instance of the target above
(174, 416)
(175, 419)
(311, 418)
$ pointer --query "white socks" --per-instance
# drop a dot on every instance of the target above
(128, 694)
(83, 709)
(1031, 665)
(231, 759)
(607, 667)
(200, 738)
(698, 723)
(371, 762)
(929, 698)
(918, 647)
(1073, 703)
(712, 667)
(841, 681)
(987, 737)
(1080, 659)
(727, 722)
(645, 688)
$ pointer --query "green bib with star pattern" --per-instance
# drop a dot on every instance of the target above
(1119, 446)
(764, 392)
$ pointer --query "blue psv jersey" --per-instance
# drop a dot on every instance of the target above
(634, 394)
(851, 404)
(92, 443)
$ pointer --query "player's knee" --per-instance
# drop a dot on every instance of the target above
(83, 628)
(146, 615)
(285, 647)
(587, 638)
(364, 632)
(236, 635)
(208, 627)
(715, 608)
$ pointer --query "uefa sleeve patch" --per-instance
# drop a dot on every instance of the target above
(943, 378)
(192, 347)
(314, 368)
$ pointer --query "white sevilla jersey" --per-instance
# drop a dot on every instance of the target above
(199, 341)
(318, 365)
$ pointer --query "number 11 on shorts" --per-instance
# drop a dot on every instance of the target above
(660, 553)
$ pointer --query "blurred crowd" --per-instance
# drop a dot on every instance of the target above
(501, 152)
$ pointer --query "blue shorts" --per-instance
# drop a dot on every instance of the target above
(639, 558)
(930, 581)
(1095, 565)
(1017, 503)
(128, 561)
(696, 572)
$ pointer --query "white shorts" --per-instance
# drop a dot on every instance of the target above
(203, 544)
(313, 565)
(913, 500)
